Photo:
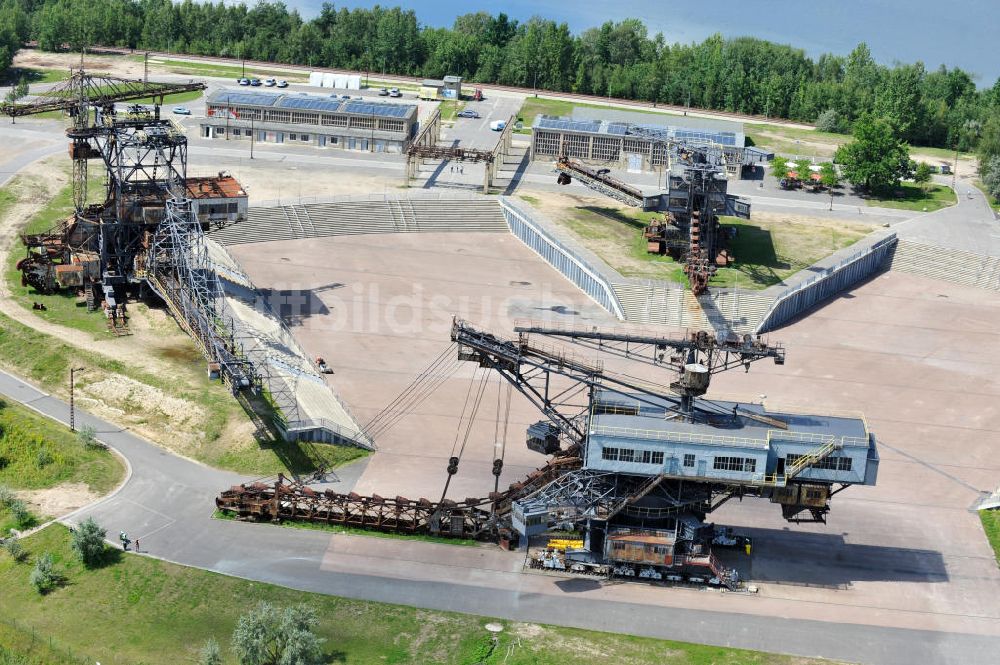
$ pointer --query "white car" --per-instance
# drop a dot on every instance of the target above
(270, 82)
(243, 81)
(282, 83)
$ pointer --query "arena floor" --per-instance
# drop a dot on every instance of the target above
(917, 356)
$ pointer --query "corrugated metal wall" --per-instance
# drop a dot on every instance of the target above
(850, 271)
(562, 259)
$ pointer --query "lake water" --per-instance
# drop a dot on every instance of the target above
(960, 33)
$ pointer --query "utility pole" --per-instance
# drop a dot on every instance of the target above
(145, 67)
(72, 405)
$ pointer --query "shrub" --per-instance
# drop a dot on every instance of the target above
(828, 121)
(15, 549)
(991, 177)
(6, 496)
(210, 653)
(44, 577)
(43, 458)
(19, 511)
(88, 542)
(87, 436)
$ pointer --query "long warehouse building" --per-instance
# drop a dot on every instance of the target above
(602, 136)
(302, 119)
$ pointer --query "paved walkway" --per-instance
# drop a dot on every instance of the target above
(970, 225)
(167, 504)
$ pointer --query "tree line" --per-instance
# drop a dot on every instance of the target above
(620, 59)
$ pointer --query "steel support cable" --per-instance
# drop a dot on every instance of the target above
(455, 459)
(423, 376)
(416, 400)
(501, 440)
(407, 394)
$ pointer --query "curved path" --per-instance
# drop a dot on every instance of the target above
(167, 504)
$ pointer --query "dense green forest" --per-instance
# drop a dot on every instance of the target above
(939, 108)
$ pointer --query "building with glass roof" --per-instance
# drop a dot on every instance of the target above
(303, 119)
(603, 136)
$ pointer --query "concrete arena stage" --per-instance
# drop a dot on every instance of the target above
(915, 355)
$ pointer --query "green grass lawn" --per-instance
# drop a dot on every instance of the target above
(170, 100)
(33, 75)
(767, 250)
(910, 196)
(63, 308)
(991, 526)
(449, 108)
(994, 203)
(24, 433)
(138, 609)
(225, 71)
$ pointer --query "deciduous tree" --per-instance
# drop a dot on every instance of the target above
(876, 159)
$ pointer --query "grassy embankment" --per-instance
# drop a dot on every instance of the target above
(138, 609)
(766, 251)
(909, 196)
(994, 203)
(37, 453)
(207, 427)
(33, 75)
(991, 526)
(208, 69)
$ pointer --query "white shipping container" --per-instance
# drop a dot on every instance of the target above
(316, 79)
(329, 81)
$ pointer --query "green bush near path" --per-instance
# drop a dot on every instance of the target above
(145, 610)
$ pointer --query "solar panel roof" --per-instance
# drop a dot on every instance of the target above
(379, 109)
(248, 98)
(309, 103)
(547, 122)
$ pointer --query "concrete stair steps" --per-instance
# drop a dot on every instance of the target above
(950, 265)
(358, 217)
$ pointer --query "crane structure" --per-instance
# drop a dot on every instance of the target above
(696, 196)
(145, 234)
(635, 465)
(101, 249)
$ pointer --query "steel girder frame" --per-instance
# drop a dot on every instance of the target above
(181, 271)
(285, 501)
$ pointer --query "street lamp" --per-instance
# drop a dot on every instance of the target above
(72, 405)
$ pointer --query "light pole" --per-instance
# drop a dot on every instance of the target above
(72, 405)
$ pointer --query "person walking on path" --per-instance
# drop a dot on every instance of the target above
(136, 544)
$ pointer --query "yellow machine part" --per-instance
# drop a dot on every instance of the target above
(563, 544)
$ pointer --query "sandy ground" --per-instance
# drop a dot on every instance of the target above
(268, 181)
(59, 500)
(104, 64)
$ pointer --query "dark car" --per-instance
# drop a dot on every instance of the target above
(467, 113)
(255, 82)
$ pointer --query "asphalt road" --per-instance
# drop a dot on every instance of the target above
(167, 503)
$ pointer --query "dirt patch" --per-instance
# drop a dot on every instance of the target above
(59, 500)
(134, 397)
(103, 64)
